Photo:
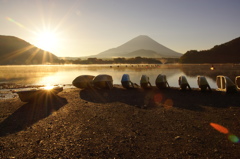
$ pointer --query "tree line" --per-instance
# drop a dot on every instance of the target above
(120, 60)
(225, 53)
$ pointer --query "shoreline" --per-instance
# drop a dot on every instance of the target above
(7, 89)
(121, 123)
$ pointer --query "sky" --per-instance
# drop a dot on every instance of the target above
(75, 28)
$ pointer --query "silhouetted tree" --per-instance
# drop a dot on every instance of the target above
(225, 53)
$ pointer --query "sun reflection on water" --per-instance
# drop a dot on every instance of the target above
(48, 87)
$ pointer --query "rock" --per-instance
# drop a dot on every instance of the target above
(177, 137)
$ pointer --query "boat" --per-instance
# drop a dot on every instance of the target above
(83, 81)
(183, 83)
(203, 83)
(37, 93)
(161, 81)
(126, 82)
(103, 81)
(144, 82)
(225, 84)
(237, 82)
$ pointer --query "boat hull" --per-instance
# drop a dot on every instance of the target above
(83, 81)
(30, 95)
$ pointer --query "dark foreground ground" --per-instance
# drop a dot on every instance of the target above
(121, 123)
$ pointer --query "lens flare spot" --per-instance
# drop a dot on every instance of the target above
(233, 138)
(168, 103)
(220, 128)
(15, 22)
(212, 68)
(158, 98)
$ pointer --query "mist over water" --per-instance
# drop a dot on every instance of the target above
(65, 74)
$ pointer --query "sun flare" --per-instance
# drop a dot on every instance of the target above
(46, 40)
(48, 87)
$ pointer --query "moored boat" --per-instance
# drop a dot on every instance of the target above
(103, 81)
(31, 94)
(161, 81)
(225, 84)
(144, 82)
(203, 83)
(126, 82)
(237, 82)
(83, 81)
(183, 83)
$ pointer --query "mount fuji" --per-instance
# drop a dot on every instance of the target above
(142, 46)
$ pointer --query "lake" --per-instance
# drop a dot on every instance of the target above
(65, 74)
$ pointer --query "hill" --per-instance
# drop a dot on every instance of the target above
(225, 53)
(15, 51)
(142, 44)
(144, 53)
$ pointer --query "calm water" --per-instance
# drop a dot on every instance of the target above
(65, 74)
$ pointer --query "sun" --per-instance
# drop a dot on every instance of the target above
(46, 40)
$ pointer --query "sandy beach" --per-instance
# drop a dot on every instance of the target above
(120, 123)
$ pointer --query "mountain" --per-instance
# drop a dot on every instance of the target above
(15, 51)
(141, 44)
(143, 53)
(228, 52)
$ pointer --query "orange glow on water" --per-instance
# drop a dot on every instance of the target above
(220, 128)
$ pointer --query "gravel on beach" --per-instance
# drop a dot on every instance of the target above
(121, 123)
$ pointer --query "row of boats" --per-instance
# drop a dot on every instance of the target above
(104, 81)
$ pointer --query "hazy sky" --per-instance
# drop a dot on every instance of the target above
(88, 27)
